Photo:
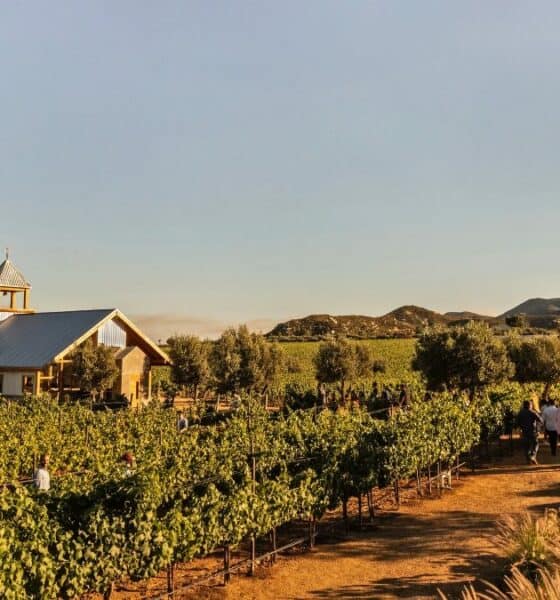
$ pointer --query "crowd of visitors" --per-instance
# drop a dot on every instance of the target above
(531, 423)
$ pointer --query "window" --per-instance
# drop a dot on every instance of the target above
(27, 384)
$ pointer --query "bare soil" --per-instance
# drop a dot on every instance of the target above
(429, 544)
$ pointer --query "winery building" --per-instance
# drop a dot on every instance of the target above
(36, 347)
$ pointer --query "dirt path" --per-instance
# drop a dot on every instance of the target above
(430, 544)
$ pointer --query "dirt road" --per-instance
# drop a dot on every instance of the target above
(429, 544)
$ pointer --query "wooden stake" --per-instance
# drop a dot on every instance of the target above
(170, 578)
(430, 479)
(227, 558)
(371, 507)
(419, 483)
(252, 564)
(360, 521)
(345, 513)
(274, 546)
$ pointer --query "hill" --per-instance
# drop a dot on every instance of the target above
(540, 312)
(408, 321)
(540, 307)
(405, 321)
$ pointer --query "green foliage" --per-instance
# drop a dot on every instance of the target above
(518, 321)
(193, 492)
(393, 356)
(189, 357)
(243, 361)
(536, 360)
(339, 361)
(94, 367)
(466, 358)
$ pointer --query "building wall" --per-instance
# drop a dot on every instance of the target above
(11, 382)
(111, 334)
(132, 382)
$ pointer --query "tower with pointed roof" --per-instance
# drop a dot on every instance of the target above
(14, 285)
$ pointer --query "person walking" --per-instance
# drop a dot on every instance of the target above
(182, 423)
(41, 477)
(528, 421)
(550, 417)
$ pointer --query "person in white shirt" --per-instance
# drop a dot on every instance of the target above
(550, 418)
(41, 477)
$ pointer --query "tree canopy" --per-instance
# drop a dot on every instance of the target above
(189, 357)
(339, 361)
(536, 360)
(244, 361)
(94, 367)
(465, 358)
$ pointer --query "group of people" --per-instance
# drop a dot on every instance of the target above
(531, 423)
(42, 477)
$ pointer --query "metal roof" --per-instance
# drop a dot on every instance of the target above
(33, 340)
(11, 277)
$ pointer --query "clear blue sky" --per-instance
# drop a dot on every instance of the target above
(220, 162)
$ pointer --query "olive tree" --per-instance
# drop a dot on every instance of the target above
(464, 359)
(94, 367)
(536, 360)
(244, 361)
(339, 362)
(189, 362)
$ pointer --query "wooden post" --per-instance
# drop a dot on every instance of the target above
(227, 558)
(254, 489)
(397, 493)
(419, 483)
(274, 544)
(457, 474)
(360, 520)
(430, 479)
(252, 564)
(345, 513)
(60, 380)
(439, 477)
(108, 592)
(371, 507)
(150, 384)
(170, 578)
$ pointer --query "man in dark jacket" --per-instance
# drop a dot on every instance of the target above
(528, 421)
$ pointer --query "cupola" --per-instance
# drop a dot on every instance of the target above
(14, 285)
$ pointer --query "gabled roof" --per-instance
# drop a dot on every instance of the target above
(10, 277)
(33, 341)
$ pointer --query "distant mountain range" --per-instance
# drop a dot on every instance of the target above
(408, 321)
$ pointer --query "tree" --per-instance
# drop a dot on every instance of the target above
(517, 321)
(94, 367)
(536, 360)
(189, 358)
(464, 359)
(339, 361)
(244, 361)
(225, 361)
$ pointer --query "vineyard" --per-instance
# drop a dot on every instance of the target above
(396, 355)
(195, 492)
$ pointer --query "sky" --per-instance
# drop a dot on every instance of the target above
(201, 164)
